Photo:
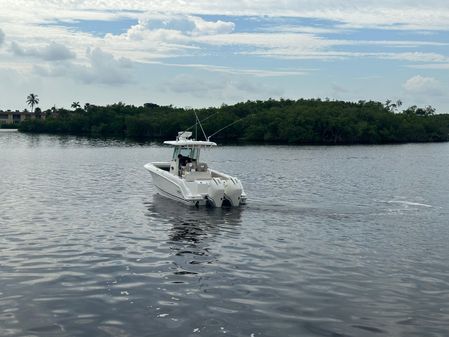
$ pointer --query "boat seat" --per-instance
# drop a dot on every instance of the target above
(201, 167)
(197, 175)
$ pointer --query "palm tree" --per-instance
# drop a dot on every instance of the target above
(76, 105)
(32, 100)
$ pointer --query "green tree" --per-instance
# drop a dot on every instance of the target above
(32, 100)
(38, 113)
(304, 121)
(76, 105)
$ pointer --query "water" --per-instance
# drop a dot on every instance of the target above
(334, 241)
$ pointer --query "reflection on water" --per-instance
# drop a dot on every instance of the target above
(335, 241)
(193, 231)
(190, 224)
(168, 210)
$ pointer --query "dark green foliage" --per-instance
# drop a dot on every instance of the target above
(303, 121)
(8, 126)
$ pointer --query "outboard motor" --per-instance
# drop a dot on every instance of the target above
(233, 191)
(215, 193)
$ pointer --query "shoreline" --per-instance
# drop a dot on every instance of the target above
(159, 141)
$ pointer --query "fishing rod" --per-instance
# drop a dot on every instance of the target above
(201, 126)
(227, 126)
(198, 121)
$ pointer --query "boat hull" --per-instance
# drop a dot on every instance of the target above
(201, 192)
(193, 193)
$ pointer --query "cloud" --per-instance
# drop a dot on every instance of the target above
(158, 36)
(338, 89)
(2, 37)
(240, 43)
(175, 26)
(167, 29)
(203, 27)
(415, 57)
(102, 67)
(222, 87)
(105, 68)
(282, 72)
(400, 14)
(51, 52)
(435, 66)
(187, 24)
(420, 85)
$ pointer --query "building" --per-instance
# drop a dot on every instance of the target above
(15, 117)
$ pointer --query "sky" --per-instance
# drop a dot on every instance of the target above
(200, 53)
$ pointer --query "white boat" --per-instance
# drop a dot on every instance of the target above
(192, 182)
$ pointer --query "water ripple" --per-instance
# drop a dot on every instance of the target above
(348, 241)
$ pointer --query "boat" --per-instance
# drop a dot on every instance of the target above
(188, 180)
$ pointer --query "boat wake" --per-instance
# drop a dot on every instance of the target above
(408, 203)
(300, 210)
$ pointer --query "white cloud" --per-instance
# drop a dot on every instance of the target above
(435, 66)
(52, 52)
(221, 87)
(338, 89)
(413, 57)
(211, 27)
(157, 36)
(326, 52)
(102, 68)
(302, 29)
(264, 42)
(186, 24)
(421, 85)
(276, 45)
(168, 28)
(248, 72)
(400, 14)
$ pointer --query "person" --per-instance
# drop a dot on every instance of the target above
(180, 161)
(184, 160)
(180, 164)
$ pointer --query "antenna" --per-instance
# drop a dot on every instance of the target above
(196, 123)
(224, 128)
(199, 122)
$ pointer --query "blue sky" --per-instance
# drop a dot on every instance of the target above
(207, 53)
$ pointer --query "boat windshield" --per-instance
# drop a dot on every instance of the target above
(189, 152)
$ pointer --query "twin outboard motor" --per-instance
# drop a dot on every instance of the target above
(233, 191)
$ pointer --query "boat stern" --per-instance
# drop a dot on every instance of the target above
(215, 192)
(234, 192)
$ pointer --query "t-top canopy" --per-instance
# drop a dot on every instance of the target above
(183, 139)
(189, 142)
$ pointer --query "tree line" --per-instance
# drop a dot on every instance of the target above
(303, 121)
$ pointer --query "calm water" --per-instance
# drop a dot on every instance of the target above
(335, 241)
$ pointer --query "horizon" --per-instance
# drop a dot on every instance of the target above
(205, 55)
(396, 108)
